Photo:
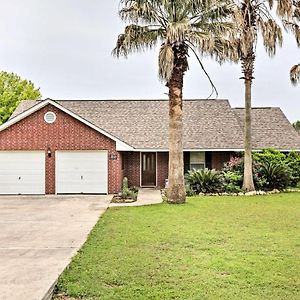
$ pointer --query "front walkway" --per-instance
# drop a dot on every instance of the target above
(146, 196)
(39, 236)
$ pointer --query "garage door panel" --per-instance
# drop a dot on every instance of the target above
(81, 172)
(22, 172)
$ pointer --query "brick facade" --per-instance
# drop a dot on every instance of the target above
(132, 166)
(219, 158)
(66, 133)
(162, 168)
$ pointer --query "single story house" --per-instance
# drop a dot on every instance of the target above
(67, 147)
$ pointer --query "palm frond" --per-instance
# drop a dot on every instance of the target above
(137, 38)
(271, 35)
(166, 62)
(284, 8)
(295, 74)
(203, 23)
(177, 31)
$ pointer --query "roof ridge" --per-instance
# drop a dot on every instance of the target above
(257, 107)
(140, 100)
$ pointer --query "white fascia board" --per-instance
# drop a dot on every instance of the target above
(23, 115)
(190, 150)
(211, 150)
(120, 145)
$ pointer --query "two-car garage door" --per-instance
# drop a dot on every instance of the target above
(23, 172)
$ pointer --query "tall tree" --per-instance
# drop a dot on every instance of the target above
(293, 24)
(200, 26)
(14, 89)
(253, 17)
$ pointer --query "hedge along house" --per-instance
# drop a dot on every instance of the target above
(72, 147)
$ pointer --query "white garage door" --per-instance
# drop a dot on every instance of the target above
(81, 172)
(22, 172)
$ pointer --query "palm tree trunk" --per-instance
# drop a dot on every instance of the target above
(176, 188)
(248, 184)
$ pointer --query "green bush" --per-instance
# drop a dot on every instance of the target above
(274, 176)
(293, 162)
(205, 181)
(128, 192)
(189, 192)
(269, 156)
(232, 181)
(232, 188)
(271, 169)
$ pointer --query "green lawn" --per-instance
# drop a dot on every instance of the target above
(209, 248)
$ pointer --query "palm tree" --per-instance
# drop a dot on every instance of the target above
(178, 26)
(293, 25)
(254, 17)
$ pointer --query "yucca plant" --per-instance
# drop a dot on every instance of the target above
(205, 181)
(178, 27)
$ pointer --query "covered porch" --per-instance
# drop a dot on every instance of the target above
(150, 169)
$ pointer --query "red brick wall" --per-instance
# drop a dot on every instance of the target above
(162, 168)
(219, 158)
(132, 167)
(66, 133)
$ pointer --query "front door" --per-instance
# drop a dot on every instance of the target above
(149, 169)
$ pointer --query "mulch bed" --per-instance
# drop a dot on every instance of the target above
(118, 199)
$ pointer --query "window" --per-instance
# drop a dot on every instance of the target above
(197, 160)
(50, 117)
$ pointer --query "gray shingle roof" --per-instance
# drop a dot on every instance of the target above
(270, 128)
(208, 124)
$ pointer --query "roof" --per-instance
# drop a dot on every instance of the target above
(270, 128)
(208, 124)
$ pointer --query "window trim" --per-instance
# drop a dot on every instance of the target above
(194, 162)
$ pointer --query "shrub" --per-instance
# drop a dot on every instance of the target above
(235, 164)
(128, 192)
(268, 156)
(232, 188)
(205, 181)
(274, 176)
(189, 192)
(233, 182)
(266, 164)
(293, 162)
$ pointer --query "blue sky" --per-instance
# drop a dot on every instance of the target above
(64, 47)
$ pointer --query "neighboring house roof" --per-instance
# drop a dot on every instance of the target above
(208, 124)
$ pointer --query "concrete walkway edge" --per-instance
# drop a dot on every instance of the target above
(146, 196)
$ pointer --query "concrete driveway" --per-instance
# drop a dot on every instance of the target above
(39, 236)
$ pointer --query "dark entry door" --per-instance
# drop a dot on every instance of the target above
(149, 169)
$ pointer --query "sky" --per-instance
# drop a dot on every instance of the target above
(64, 47)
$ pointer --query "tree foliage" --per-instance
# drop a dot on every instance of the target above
(296, 125)
(203, 27)
(14, 89)
(292, 24)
